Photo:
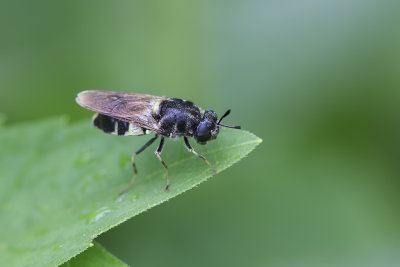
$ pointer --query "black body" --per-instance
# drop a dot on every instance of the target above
(107, 124)
(179, 117)
(176, 118)
(124, 114)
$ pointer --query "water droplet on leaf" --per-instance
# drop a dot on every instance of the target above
(94, 217)
(119, 199)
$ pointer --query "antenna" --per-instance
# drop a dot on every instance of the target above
(227, 126)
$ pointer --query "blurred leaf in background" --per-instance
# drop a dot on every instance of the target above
(95, 256)
(317, 80)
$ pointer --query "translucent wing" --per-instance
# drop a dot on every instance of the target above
(133, 108)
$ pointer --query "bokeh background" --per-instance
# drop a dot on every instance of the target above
(318, 80)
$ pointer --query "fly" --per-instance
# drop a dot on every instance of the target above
(126, 114)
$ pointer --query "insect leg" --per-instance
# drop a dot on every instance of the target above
(134, 165)
(158, 153)
(189, 147)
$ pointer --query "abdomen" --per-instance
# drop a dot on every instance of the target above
(114, 126)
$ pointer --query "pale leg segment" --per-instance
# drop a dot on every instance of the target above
(134, 165)
(158, 153)
(189, 147)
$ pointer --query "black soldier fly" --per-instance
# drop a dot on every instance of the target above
(124, 114)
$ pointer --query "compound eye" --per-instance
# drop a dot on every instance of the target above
(203, 132)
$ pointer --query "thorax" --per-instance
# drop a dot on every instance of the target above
(178, 117)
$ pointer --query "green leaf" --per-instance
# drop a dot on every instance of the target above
(60, 183)
(95, 256)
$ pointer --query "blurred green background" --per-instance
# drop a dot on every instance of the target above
(319, 81)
